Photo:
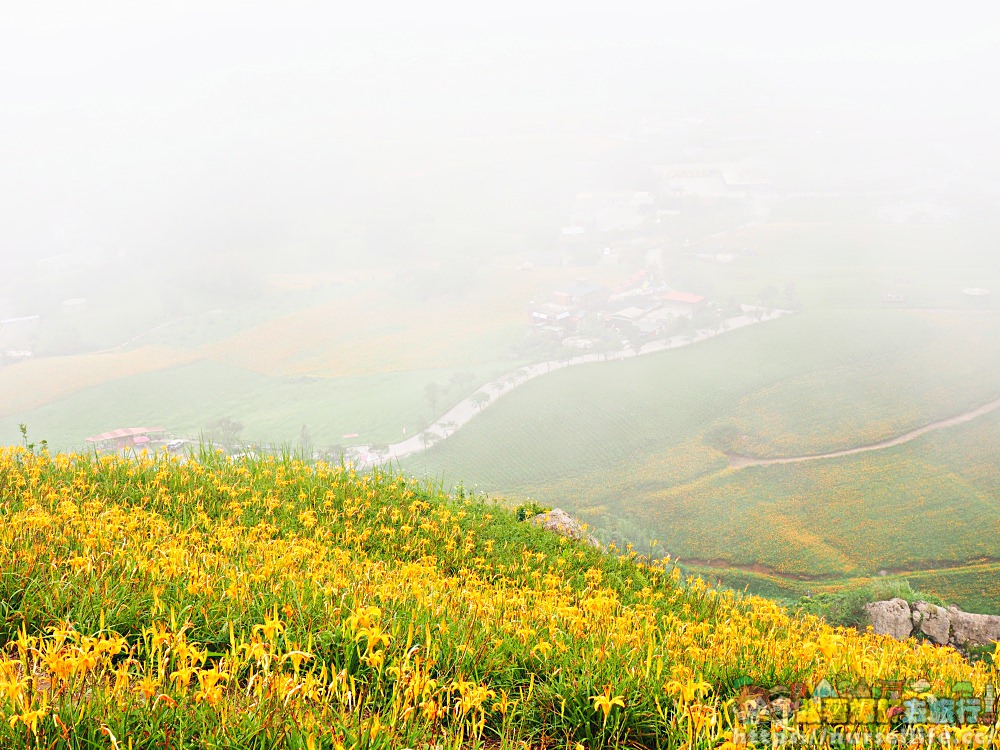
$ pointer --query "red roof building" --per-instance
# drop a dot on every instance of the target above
(126, 437)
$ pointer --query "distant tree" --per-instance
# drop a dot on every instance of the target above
(432, 392)
(731, 308)
(682, 325)
(555, 350)
(789, 294)
(381, 450)
(449, 427)
(462, 380)
(480, 399)
(719, 322)
(224, 430)
(429, 439)
(305, 440)
(723, 436)
(768, 296)
(703, 319)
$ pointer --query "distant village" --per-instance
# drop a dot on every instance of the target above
(18, 338)
(582, 314)
(684, 208)
(632, 228)
(688, 206)
(629, 218)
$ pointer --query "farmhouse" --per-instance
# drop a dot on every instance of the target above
(727, 179)
(633, 282)
(549, 314)
(656, 321)
(581, 294)
(682, 303)
(628, 315)
(126, 437)
(558, 320)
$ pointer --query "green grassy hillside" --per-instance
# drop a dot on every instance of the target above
(639, 448)
(188, 398)
(352, 353)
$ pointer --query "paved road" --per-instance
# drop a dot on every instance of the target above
(740, 462)
(464, 411)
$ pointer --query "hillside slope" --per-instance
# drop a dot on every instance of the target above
(662, 447)
(208, 603)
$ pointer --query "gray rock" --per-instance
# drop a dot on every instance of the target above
(561, 522)
(890, 617)
(972, 629)
(932, 621)
(943, 626)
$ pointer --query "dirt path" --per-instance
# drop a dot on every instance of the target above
(740, 462)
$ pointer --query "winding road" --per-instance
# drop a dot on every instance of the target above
(741, 462)
(464, 411)
(467, 409)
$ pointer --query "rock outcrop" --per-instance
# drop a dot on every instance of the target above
(975, 629)
(933, 621)
(561, 522)
(891, 617)
(942, 625)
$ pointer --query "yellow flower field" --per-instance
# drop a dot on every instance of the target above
(157, 603)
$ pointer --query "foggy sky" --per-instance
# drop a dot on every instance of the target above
(149, 127)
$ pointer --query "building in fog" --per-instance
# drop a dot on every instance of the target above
(19, 337)
(612, 211)
(127, 438)
(682, 303)
(977, 296)
(581, 294)
(726, 179)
